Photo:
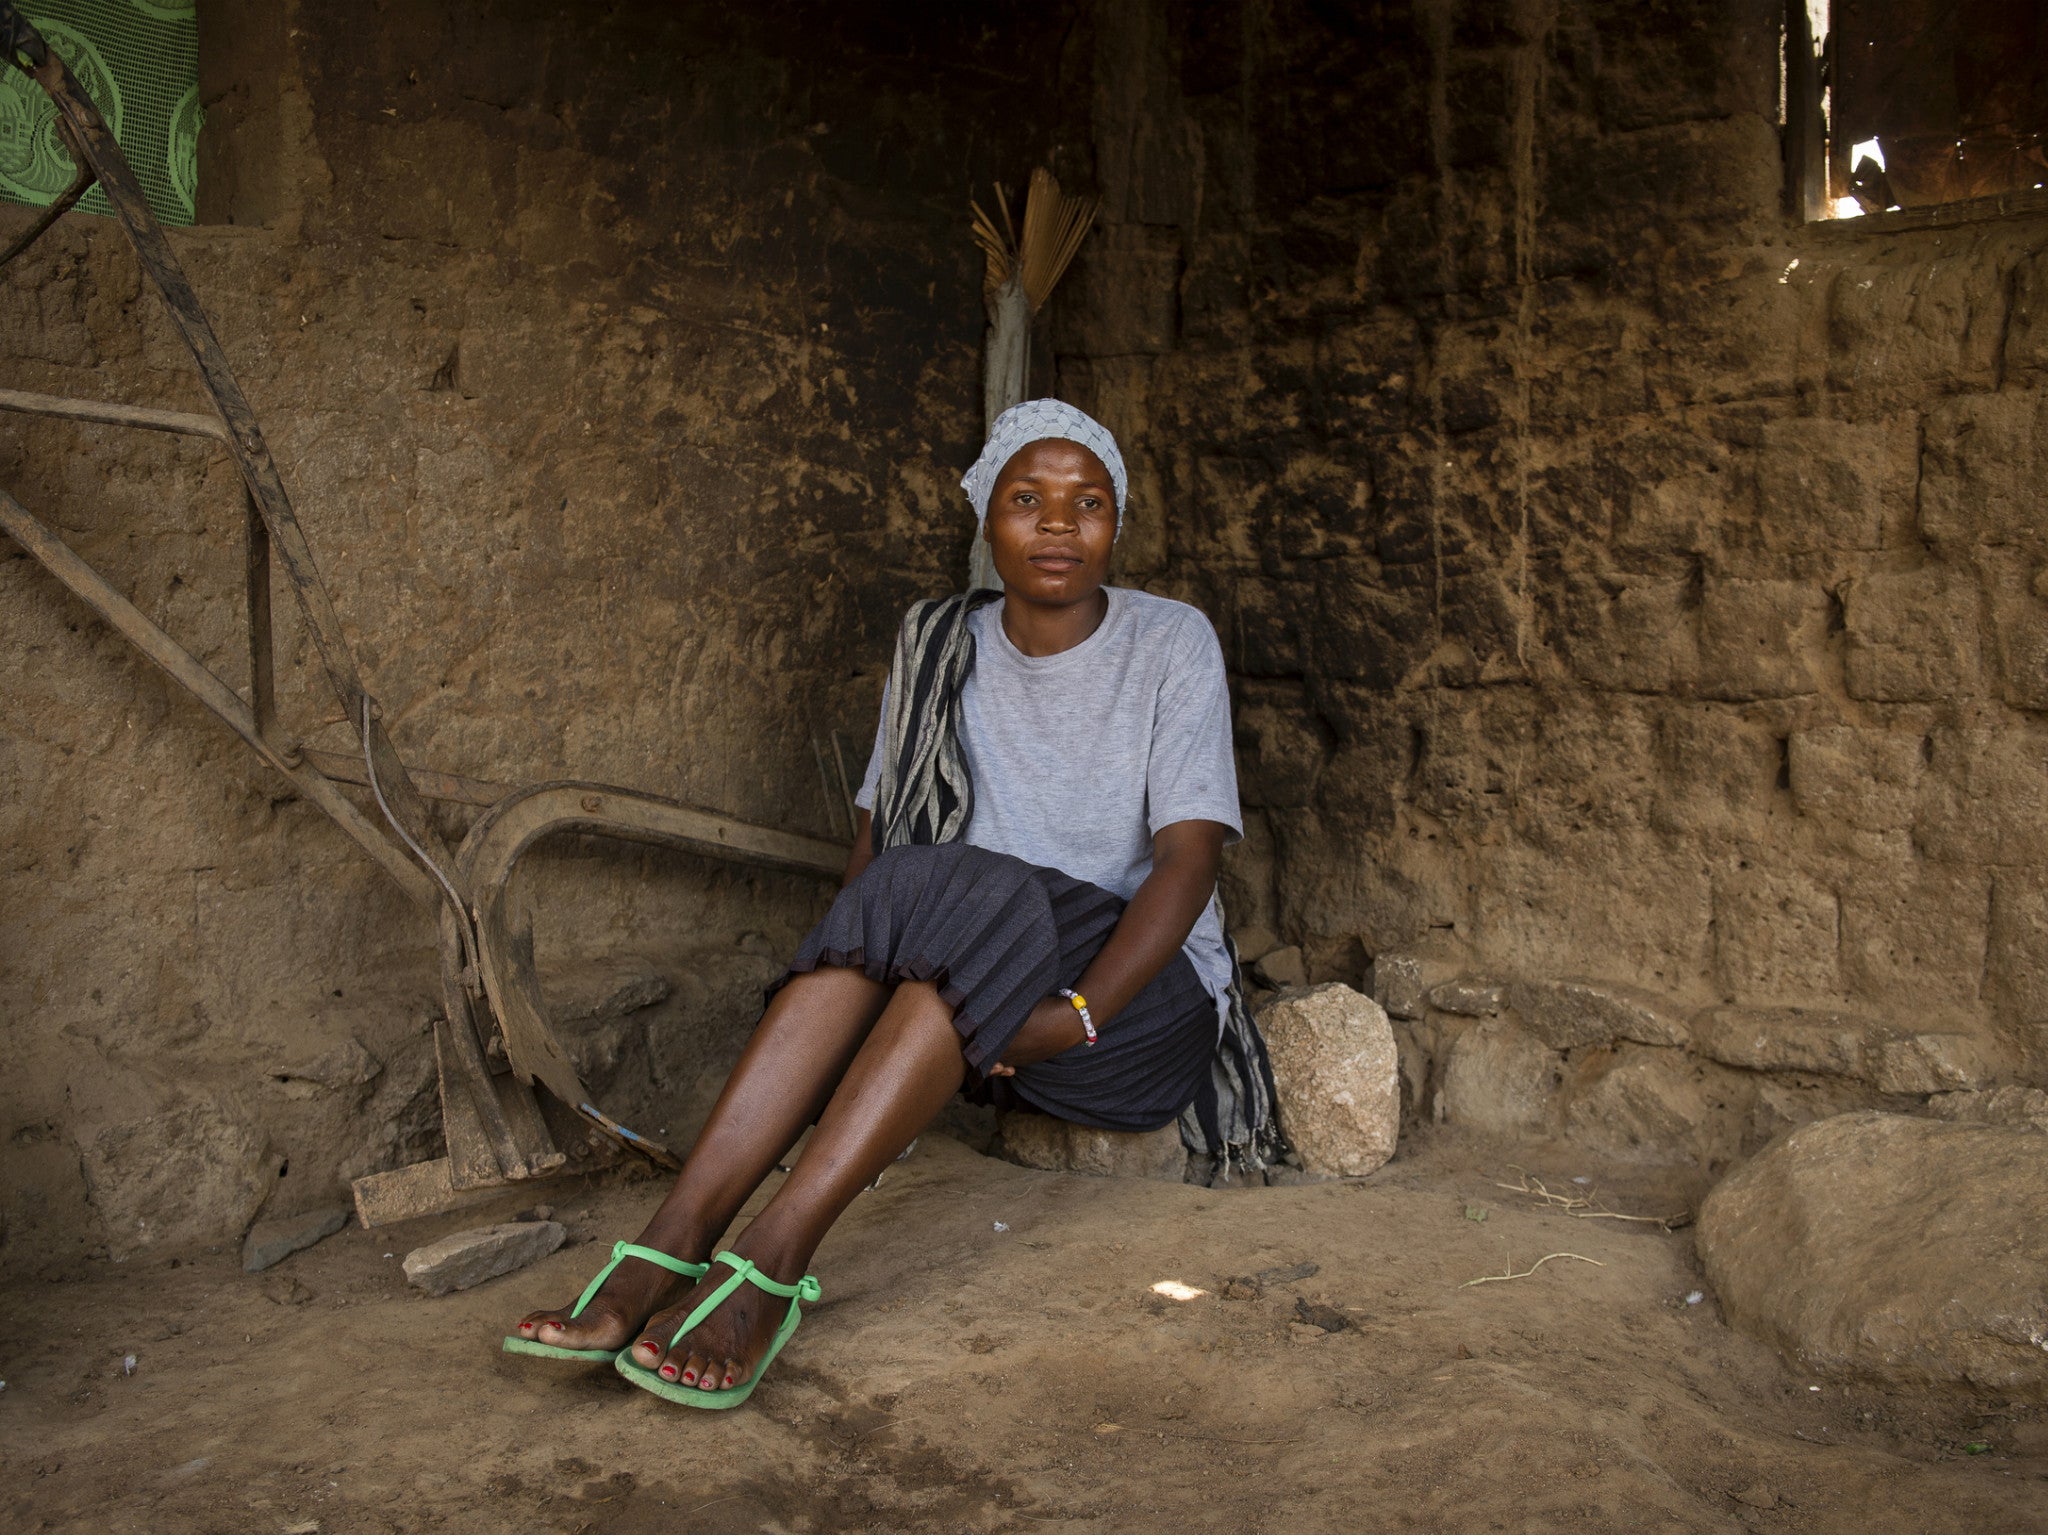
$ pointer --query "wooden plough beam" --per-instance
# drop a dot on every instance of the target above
(494, 1042)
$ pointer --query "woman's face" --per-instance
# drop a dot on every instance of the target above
(1051, 522)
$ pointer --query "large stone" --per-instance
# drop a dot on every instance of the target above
(1472, 999)
(1657, 1105)
(188, 1174)
(1282, 967)
(1931, 1062)
(1337, 1069)
(2026, 1108)
(1902, 1251)
(463, 1259)
(269, 1242)
(1845, 1045)
(1500, 1079)
(1784, 1039)
(1397, 985)
(1060, 1146)
(1565, 1014)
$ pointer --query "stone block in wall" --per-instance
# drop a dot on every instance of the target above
(1500, 1079)
(1604, 197)
(1373, 634)
(1279, 755)
(1635, 633)
(2016, 585)
(1592, 900)
(1984, 799)
(1266, 623)
(1365, 375)
(1777, 932)
(1820, 483)
(1910, 329)
(1122, 294)
(2026, 326)
(193, 1172)
(1785, 1039)
(1980, 470)
(2016, 958)
(1932, 1061)
(2011, 1105)
(1657, 1105)
(1398, 985)
(1914, 933)
(1758, 639)
(1836, 1044)
(1717, 772)
(1911, 636)
(1061, 1146)
(1867, 779)
(1568, 1014)
(1467, 998)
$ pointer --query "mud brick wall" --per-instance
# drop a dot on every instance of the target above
(620, 360)
(1622, 584)
(1620, 581)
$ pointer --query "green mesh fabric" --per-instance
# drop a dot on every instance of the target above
(139, 62)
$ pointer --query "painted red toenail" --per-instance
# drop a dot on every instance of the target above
(690, 1380)
(668, 1372)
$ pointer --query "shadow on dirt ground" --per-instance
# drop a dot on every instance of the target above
(1335, 1373)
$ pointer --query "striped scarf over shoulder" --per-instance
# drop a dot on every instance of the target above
(925, 795)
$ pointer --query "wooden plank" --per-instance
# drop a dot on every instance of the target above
(472, 1153)
(112, 413)
(424, 1189)
(262, 671)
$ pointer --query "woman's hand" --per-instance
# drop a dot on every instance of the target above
(1054, 1026)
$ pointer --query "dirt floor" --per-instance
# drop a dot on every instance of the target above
(966, 1375)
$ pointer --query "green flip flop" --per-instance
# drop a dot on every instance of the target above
(743, 1270)
(514, 1345)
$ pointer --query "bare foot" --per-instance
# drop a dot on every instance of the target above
(726, 1348)
(617, 1312)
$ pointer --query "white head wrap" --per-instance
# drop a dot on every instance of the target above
(1033, 422)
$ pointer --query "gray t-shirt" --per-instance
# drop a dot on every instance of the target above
(1078, 759)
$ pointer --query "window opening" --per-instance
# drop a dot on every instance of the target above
(139, 62)
(1899, 107)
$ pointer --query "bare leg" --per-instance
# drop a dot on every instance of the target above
(910, 1065)
(798, 1053)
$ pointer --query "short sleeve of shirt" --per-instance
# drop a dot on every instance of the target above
(1192, 775)
(872, 779)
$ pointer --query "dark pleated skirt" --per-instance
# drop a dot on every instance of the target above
(996, 935)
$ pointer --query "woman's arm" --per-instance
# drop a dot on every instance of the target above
(1185, 858)
(863, 850)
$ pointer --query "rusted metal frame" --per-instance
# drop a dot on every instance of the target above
(189, 673)
(490, 856)
(109, 413)
(95, 141)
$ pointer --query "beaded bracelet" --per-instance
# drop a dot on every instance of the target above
(1081, 1007)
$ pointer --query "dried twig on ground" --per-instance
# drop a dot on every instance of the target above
(1526, 1273)
(1584, 1207)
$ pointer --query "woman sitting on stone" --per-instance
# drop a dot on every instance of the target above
(1029, 913)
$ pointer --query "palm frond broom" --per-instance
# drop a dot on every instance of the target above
(1016, 281)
